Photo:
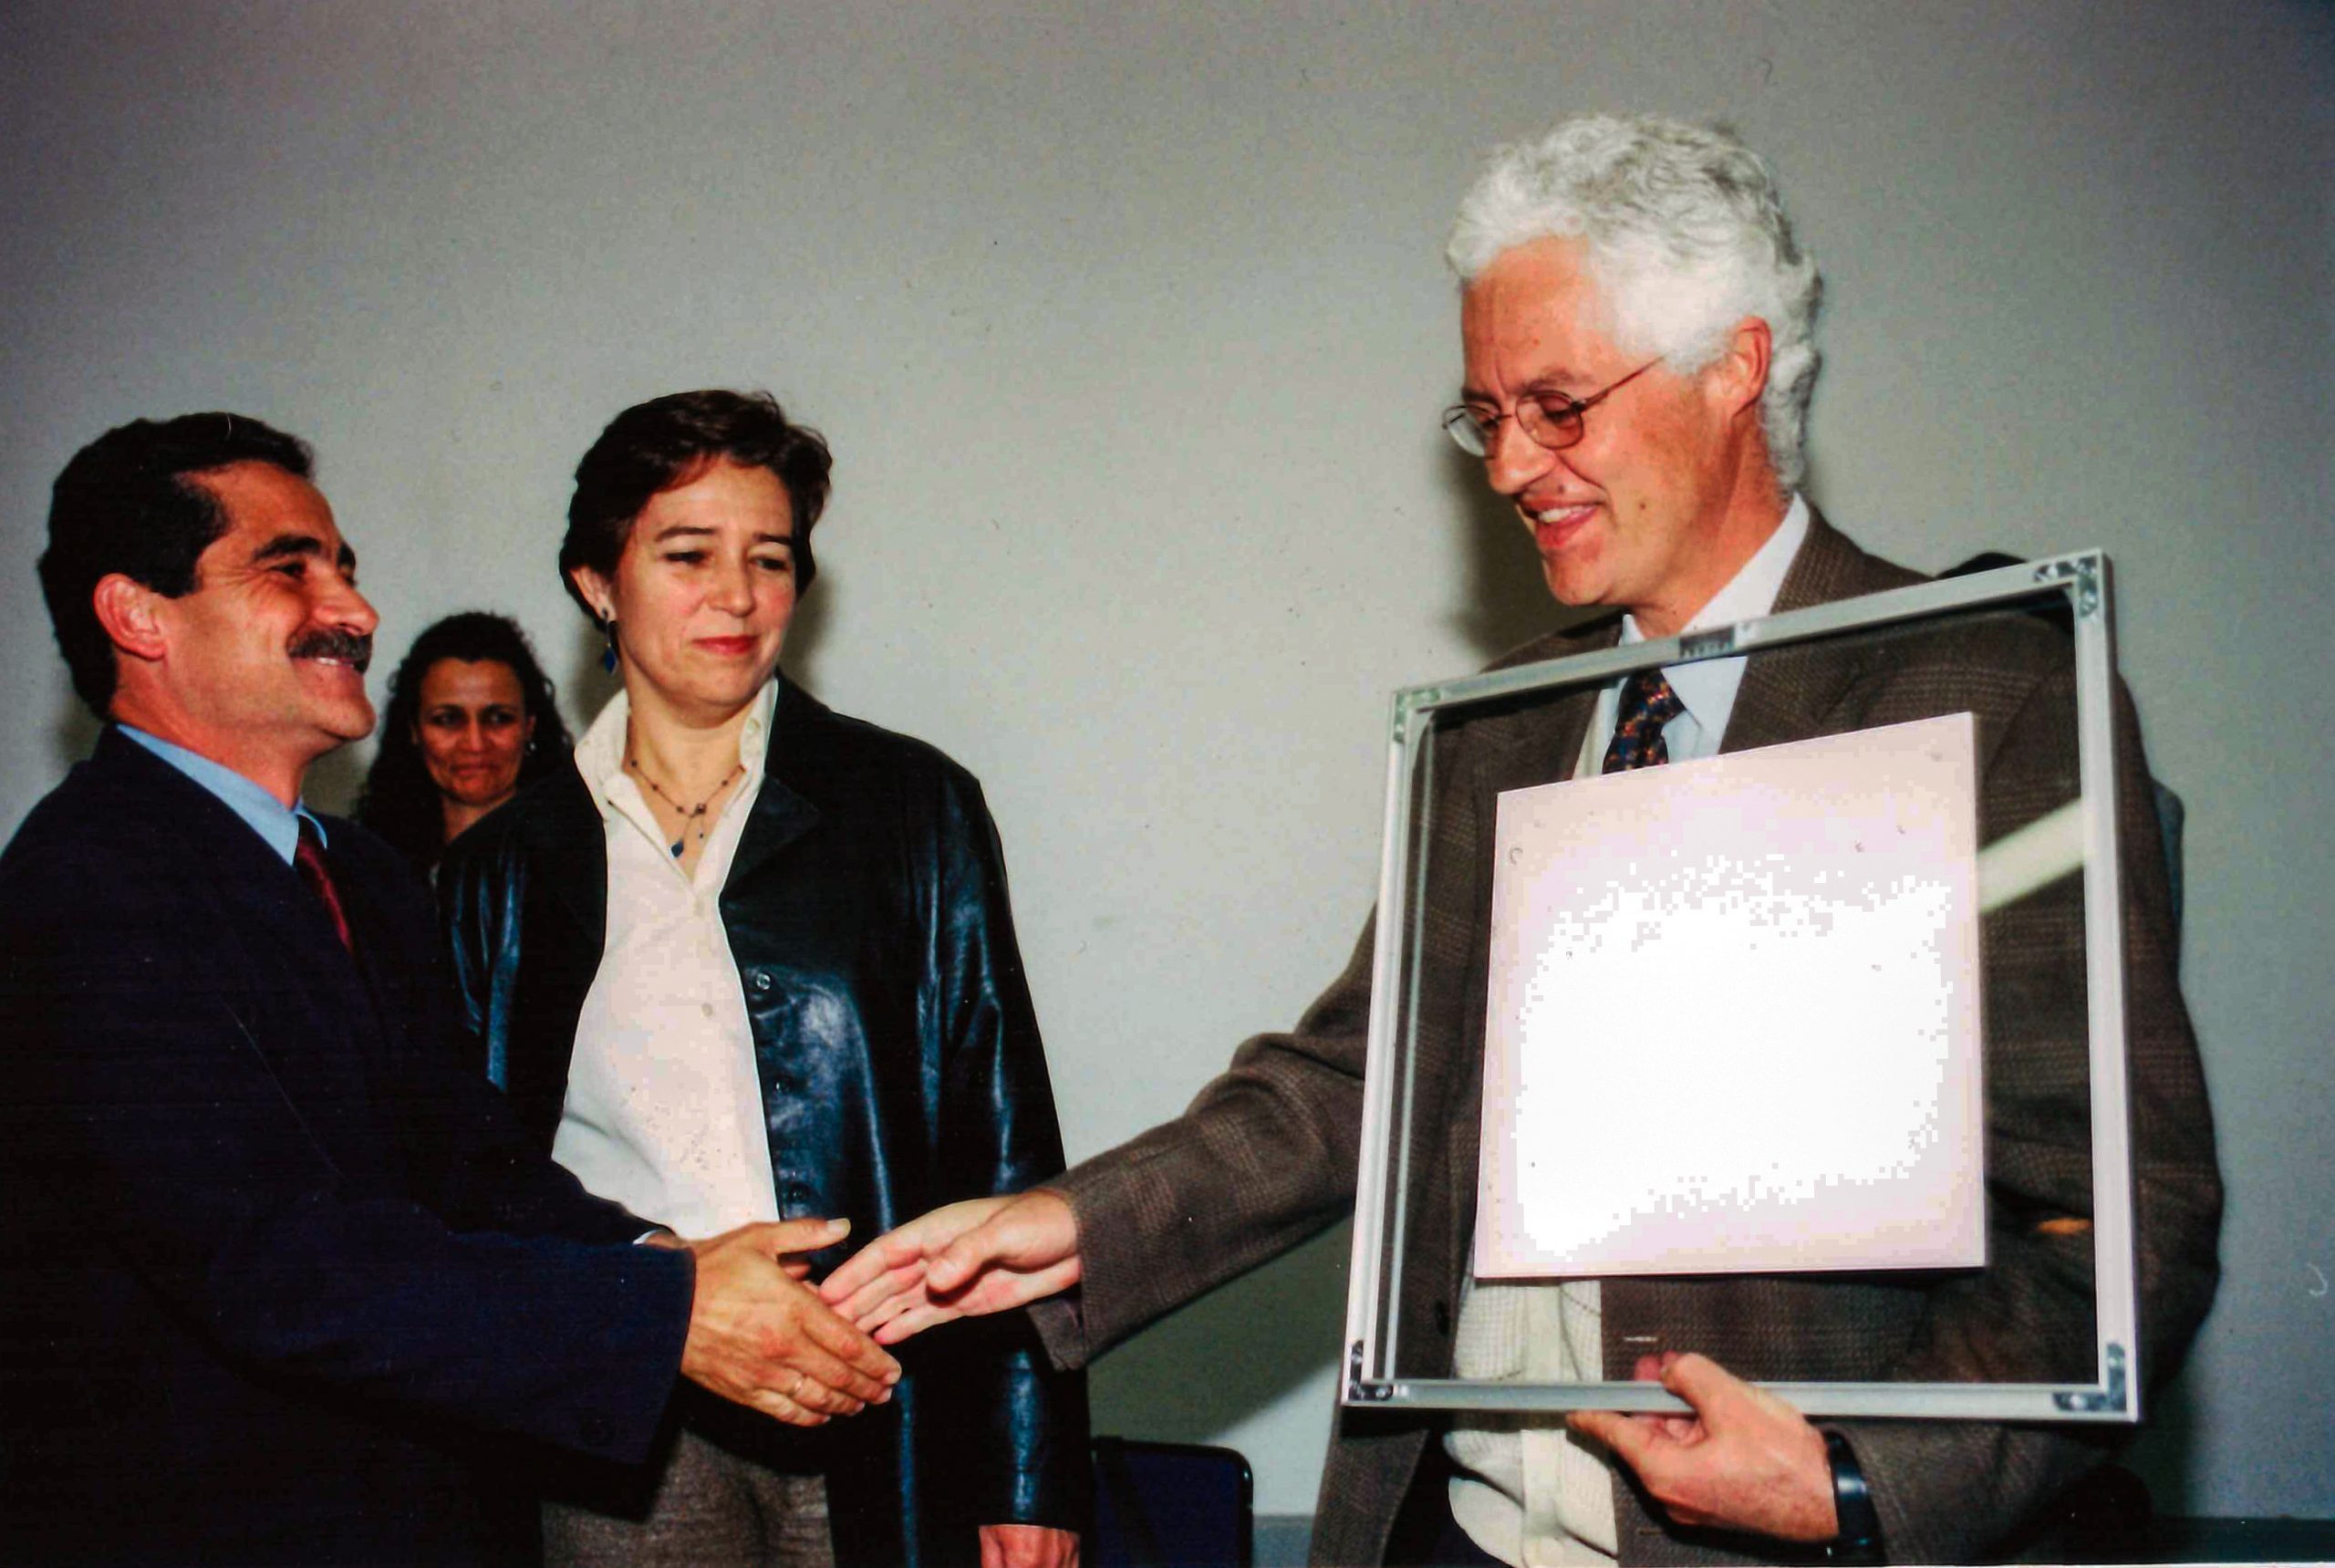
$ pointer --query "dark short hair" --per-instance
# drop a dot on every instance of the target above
(128, 503)
(400, 803)
(653, 446)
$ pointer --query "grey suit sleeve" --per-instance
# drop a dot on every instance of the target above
(1264, 1157)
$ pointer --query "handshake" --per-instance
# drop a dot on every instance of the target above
(761, 1337)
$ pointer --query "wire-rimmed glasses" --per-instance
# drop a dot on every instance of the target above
(1552, 418)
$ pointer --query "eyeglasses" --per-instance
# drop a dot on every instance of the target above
(1553, 421)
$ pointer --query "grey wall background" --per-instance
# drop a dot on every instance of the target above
(1128, 326)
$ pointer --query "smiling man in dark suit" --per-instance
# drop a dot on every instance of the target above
(278, 1274)
(1637, 320)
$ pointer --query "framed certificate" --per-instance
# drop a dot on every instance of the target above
(1734, 891)
(1736, 1018)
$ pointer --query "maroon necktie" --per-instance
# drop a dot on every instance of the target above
(310, 860)
(1647, 704)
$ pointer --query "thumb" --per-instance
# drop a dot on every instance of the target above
(1701, 1381)
(1628, 1437)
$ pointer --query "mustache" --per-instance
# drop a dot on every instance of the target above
(355, 647)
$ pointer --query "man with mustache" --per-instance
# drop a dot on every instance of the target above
(279, 1272)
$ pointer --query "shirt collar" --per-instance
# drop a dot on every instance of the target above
(600, 755)
(1707, 687)
(261, 811)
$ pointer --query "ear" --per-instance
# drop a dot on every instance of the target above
(1739, 375)
(596, 590)
(131, 614)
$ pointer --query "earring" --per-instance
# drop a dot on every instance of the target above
(609, 655)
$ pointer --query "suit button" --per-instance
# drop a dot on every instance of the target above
(762, 981)
(597, 1430)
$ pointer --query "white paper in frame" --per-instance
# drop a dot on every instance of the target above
(1733, 1020)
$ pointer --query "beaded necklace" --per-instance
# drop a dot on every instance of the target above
(691, 815)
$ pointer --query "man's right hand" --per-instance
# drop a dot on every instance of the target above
(965, 1260)
(760, 1336)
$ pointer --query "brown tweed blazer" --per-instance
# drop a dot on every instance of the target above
(1266, 1155)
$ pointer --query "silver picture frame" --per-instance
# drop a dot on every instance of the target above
(2079, 581)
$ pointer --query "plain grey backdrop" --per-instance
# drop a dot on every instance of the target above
(1129, 328)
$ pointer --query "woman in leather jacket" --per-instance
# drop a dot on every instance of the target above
(750, 959)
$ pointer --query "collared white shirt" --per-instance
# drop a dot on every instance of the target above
(1529, 1491)
(664, 1109)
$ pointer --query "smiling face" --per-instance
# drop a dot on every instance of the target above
(262, 666)
(1663, 498)
(703, 592)
(472, 730)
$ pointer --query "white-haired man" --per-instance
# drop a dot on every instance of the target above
(1636, 318)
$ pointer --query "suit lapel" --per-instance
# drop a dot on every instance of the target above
(312, 1013)
(245, 873)
(1541, 741)
(1786, 692)
(348, 985)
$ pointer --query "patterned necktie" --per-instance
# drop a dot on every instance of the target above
(1647, 704)
(309, 858)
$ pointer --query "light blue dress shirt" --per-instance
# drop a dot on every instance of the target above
(266, 815)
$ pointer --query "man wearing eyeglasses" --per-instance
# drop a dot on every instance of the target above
(1636, 318)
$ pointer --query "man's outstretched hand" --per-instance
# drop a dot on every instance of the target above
(1744, 1461)
(760, 1336)
(983, 1255)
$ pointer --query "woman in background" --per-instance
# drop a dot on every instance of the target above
(746, 959)
(471, 721)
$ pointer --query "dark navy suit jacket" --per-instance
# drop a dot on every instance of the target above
(280, 1275)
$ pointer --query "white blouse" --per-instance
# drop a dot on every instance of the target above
(664, 1110)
